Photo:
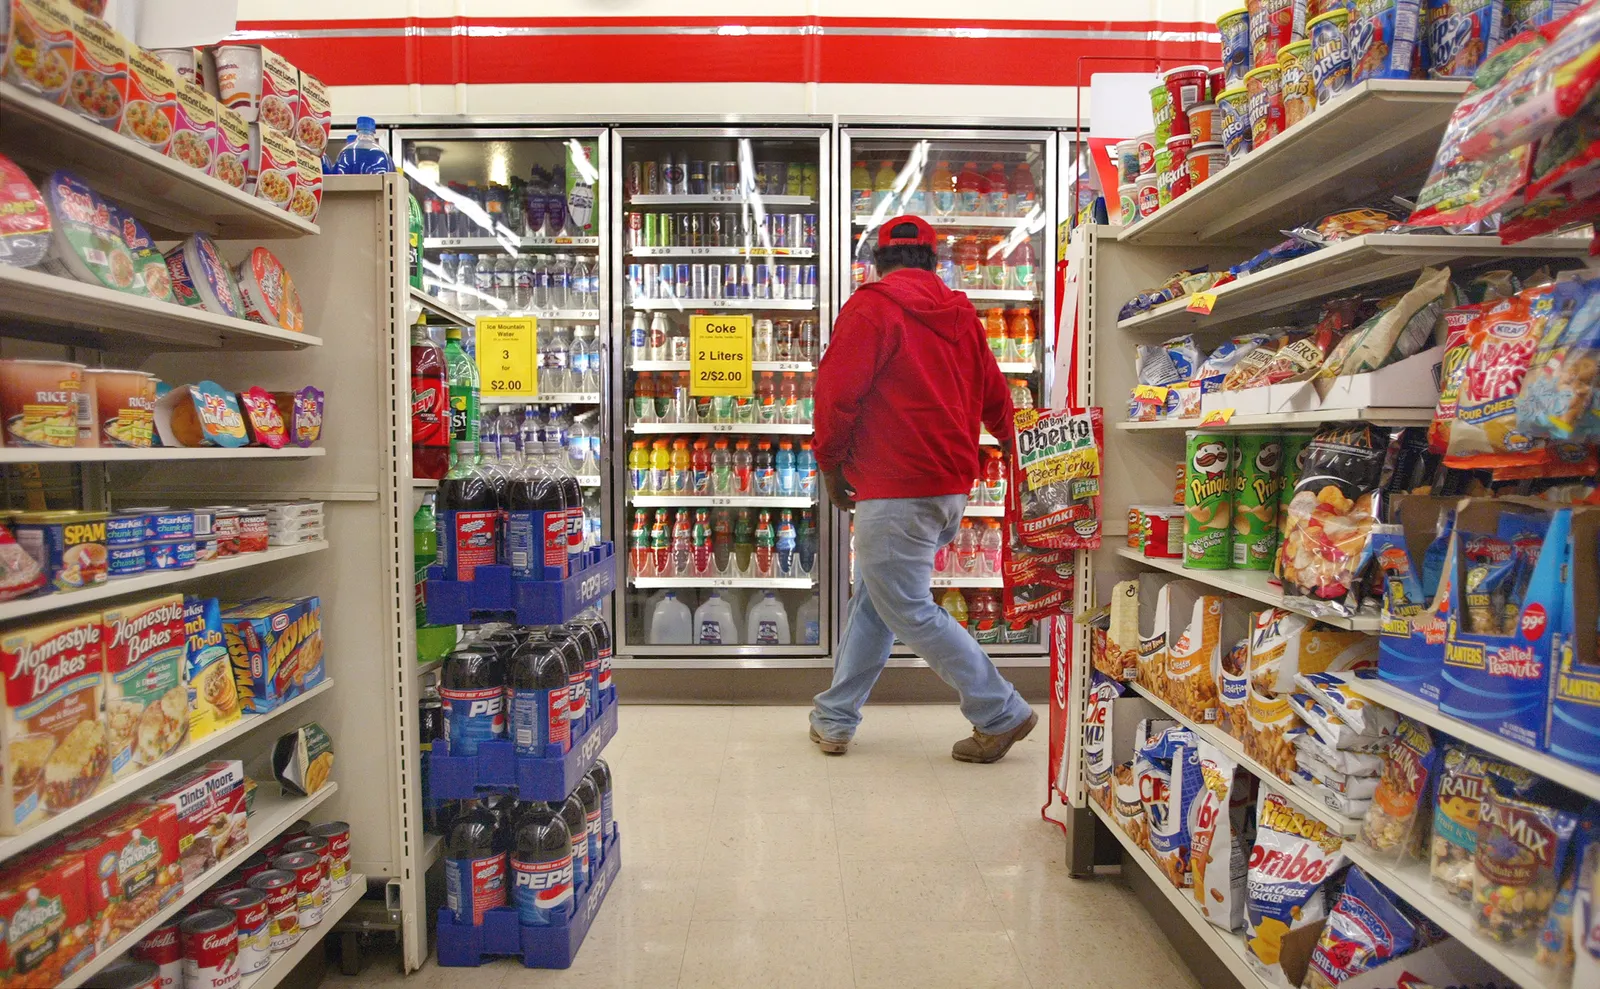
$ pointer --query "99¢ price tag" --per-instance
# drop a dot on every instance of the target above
(719, 355)
(508, 355)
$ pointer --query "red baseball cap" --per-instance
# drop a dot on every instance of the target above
(906, 230)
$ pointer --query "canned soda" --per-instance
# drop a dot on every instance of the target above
(810, 181)
(747, 281)
(283, 906)
(635, 229)
(730, 281)
(763, 177)
(714, 283)
(697, 226)
(730, 177)
(307, 870)
(808, 231)
(668, 286)
(684, 235)
(697, 281)
(162, 948)
(697, 177)
(795, 179)
(635, 281)
(776, 178)
(681, 280)
(783, 340)
(254, 922)
(652, 235)
(650, 281)
(780, 282)
(773, 228)
(714, 183)
(652, 179)
(712, 234)
(210, 949)
(762, 283)
(761, 341)
(808, 281)
(667, 234)
(635, 178)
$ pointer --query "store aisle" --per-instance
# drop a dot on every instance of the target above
(751, 860)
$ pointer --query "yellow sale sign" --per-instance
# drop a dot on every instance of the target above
(719, 355)
(508, 356)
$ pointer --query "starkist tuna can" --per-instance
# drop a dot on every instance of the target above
(1208, 501)
(283, 906)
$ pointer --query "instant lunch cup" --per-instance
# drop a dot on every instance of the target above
(1127, 158)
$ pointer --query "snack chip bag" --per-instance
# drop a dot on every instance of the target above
(1558, 397)
(1556, 950)
(1330, 517)
(1522, 848)
(1541, 92)
(1367, 927)
(1167, 364)
(1501, 343)
(1396, 333)
(1213, 371)
(1098, 765)
(1463, 781)
(1217, 851)
(1169, 833)
(1451, 373)
(1330, 690)
(1393, 825)
(1294, 855)
(1057, 493)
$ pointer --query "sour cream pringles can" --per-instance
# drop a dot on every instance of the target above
(1208, 501)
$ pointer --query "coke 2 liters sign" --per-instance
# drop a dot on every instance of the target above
(719, 355)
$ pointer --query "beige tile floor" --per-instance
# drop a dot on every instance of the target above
(751, 860)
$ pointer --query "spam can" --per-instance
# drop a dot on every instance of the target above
(1208, 501)
(1257, 488)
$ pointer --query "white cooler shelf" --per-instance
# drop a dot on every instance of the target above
(1254, 584)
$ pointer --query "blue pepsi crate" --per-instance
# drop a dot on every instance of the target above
(493, 594)
(496, 766)
(467, 945)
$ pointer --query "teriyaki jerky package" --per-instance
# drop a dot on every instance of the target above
(1057, 502)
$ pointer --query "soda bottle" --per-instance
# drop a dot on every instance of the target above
(366, 156)
(743, 468)
(571, 811)
(805, 469)
(581, 635)
(666, 392)
(433, 641)
(860, 189)
(808, 401)
(472, 685)
(700, 543)
(994, 329)
(721, 469)
(765, 478)
(468, 517)
(639, 559)
(572, 657)
(788, 399)
(942, 189)
(966, 551)
(984, 617)
(537, 523)
(430, 405)
(743, 541)
(969, 190)
(475, 864)
(1024, 339)
(590, 796)
(660, 330)
(766, 541)
(721, 539)
(995, 271)
(661, 546)
(430, 726)
(461, 380)
(682, 481)
(700, 467)
(786, 544)
(766, 398)
(638, 339)
(805, 544)
(883, 187)
(989, 547)
(600, 776)
(602, 639)
(788, 483)
(1023, 273)
(969, 262)
(682, 545)
(1024, 192)
(414, 240)
(571, 494)
(955, 605)
(644, 397)
(541, 866)
(994, 479)
(660, 467)
(998, 200)
(536, 692)
(944, 263)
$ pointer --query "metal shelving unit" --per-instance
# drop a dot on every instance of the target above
(1257, 585)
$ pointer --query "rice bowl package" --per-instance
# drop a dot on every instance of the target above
(200, 277)
(1368, 926)
(1293, 857)
(24, 218)
(265, 289)
(95, 241)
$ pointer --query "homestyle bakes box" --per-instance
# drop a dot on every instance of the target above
(276, 648)
(147, 704)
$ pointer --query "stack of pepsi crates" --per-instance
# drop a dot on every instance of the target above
(524, 800)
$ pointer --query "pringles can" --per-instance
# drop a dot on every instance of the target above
(1208, 501)
(1257, 489)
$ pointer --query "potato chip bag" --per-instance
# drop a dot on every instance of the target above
(1501, 343)
(1293, 857)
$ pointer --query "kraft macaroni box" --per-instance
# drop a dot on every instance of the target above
(1500, 680)
(1575, 701)
(276, 649)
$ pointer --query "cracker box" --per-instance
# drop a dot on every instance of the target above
(276, 648)
(1575, 704)
(51, 735)
(1502, 682)
(133, 859)
(213, 695)
(212, 822)
(147, 704)
(44, 912)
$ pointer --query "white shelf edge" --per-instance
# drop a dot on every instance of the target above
(720, 501)
(1251, 584)
(717, 199)
(780, 253)
(770, 583)
(494, 243)
(432, 847)
(1384, 416)
(105, 454)
(990, 583)
(584, 481)
(998, 294)
(432, 304)
(544, 398)
(985, 511)
(797, 367)
(738, 305)
(284, 962)
(1017, 367)
(873, 222)
(150, 580)
(747, 428)
(144, 778)
(284, 811)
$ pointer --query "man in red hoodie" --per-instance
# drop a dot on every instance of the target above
(906, 380)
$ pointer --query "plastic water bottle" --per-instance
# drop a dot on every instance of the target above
(768, 622)
(585, 361)
(670, 622)
(713, 622)
(578, 449)
(591, 518)
(466, 281)
(531, 427)
(580, 285)
(364, 156)
(541, 283)
(483, 283)
(555, 348)
(505, 281)
(809, 620)
(989, 546)
(445, 283)
(561, 283)
(522, 283)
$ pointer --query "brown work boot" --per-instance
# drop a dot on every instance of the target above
(829, 746)
(990, 748)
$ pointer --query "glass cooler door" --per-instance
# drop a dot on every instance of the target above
(987, 194)
(720, 516)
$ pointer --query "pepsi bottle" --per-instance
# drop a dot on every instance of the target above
(590, 649)
(537, 693)
(472, 686)
(430, 728)
(467, 518)
(571, 811)
(602, 639)
(577, 679)
(586, 791)
(536, 523)
(475, 864)
(600, 776)
(541, 868)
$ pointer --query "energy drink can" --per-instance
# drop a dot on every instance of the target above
(697, 281)
(797, 229)
(635, 229)
(682, 280)
(730, 281)
(652, 179)
(712, 234)
(810, 173)
(808, 281)
(1208, 501)
(762, 287)
(697, 178)
(635, 281)
(780, 282)
(808, 231)
(714, 178)
(652, 230)
(635, 178)
(714, 283)
(1257, 484)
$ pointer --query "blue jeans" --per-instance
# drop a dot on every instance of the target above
(895, 540)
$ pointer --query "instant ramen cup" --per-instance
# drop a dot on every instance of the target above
(1262, 86)
(1147, 153)
(126, 402)
(1128, 203)
(1383, 39)
(1295, 80)
(1203, 123)
(1217, 83)
(1186, 86)
(39, 402)
(1330, 54)
(238, 70)
(1206, 160)
(200, 277)
(1233, 121)
(1148, 195)
(1127, 158)
(263, 287)
(1234, 27)
(149, 117)
(194, 128)
(1161, 110)
(1273, 24)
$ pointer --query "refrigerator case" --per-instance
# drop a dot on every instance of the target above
(718, 499)
(988, 195)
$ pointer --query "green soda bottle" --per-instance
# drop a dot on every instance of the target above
(461, 378)
(433, 641)
(414, 239)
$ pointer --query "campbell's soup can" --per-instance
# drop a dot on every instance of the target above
(127, 975)
(290, 833)
(210, 950)
(321, 849)
(307, 869)
(250, 913)
(162, 948)
(337, 835)
(283, 906)
(254, 866)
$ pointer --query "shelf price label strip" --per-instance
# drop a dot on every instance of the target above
(720, 356)
(508, 355)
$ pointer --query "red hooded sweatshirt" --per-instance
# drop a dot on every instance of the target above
(906, 379)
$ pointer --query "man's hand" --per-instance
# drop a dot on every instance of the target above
(839, 490)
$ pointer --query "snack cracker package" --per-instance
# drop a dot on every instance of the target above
(1368, 926)
(1218, 846)
(1200, 623)
(1293, 857)
(1058, 466)
(1398, 815)
(1522, 850)
(1154, 638)
(1501, 343)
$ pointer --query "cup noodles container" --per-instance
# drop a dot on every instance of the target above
(194, 127)
(147, 702)
(337, 835)
(1330, 54)
(1186, 86)
(1234, 28)
(44, 912)
(24, 218)
(210, 950)
(1233, 121)
(1265, 103)
(1383, 37)
(283, 906)
(70, 547)
(264, 289)
(276, 165)
(231, 158)
(306, 201)
(1147, 153)
(188, 64)
(152, 101)
(1296, 82)
(316, 114)
(254, 921)
(1126, 155)
(1205, 160)
(1128, 203)
(39, 55)
(1203, 123)
(1273, 24)
(133, 857)
(125, 403)
(52, 741)
(1161, 110)
(39, 402)
(213, 697)
(276, 647)
(88, 241)
(263, 86)
(163, 948)
(99, 85)
(201, 277)
(1148, 194)
(307, 871)
(211, 815)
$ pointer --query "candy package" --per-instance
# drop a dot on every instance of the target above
(1057, 495)
(1273, 256)
(1180, 285)
(1368, 926)
(1397, 821)
(1522, 848)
